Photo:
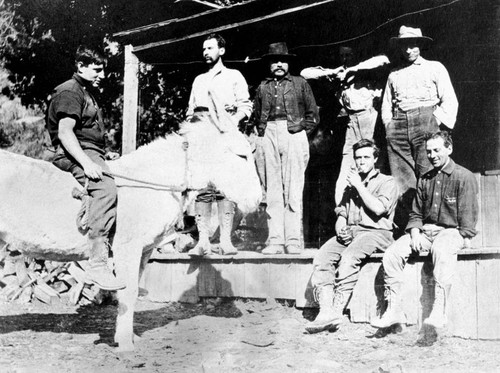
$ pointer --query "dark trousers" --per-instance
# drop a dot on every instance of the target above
(407, 156)
(103, 193)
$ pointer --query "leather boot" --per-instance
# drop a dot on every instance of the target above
(438, 318)
(203, 212)
(98, 271)
(394, 313)
(326, 315)
(226, 216)
(339, 302)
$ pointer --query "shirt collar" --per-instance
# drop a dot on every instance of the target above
(371, 175)
(419, 61)
(449, 167)
(85, 83)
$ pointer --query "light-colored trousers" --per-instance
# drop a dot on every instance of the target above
(282, 159)
(361, 126)
(443, 244)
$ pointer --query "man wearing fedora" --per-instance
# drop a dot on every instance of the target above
(418, 98)
(285, 113)
(228, 89)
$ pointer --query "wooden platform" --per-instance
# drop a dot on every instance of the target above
(475, 297)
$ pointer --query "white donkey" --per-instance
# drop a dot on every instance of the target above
(37, 212)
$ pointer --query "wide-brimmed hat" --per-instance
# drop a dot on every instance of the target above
(410, 34)
(278, 50)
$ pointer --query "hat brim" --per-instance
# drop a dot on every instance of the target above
(274, 55)
(423, 40)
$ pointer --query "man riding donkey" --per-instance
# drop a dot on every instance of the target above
(75, 123)
(221, 94)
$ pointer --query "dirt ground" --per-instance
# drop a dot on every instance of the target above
(220, 336)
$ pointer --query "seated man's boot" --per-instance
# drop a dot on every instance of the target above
(326, 316)
(339, 302)
(226, 216)
(203, 212)
(98, 271)
(394, 313)
(438, 318)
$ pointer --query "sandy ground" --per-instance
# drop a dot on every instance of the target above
(221, 336)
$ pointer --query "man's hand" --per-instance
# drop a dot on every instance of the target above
(416, 240)
(93, 171)
(344, 236)
(467, 243)
(354, 179)
(111, 156)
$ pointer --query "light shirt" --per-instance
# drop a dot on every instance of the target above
(421, 84)
(382, 187)
(228, 86)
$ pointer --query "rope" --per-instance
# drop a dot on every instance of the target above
(149, 184)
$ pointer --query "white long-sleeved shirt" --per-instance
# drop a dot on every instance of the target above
(421, 84)
(226, 85)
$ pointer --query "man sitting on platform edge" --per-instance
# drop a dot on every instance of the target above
(364, 224)
(442, 221)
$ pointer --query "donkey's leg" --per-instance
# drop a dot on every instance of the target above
(127, 262)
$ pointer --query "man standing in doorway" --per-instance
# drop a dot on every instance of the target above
(76, 126)
(230, 90)
(285, 112)
(418, 98)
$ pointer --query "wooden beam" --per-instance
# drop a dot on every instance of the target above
(130, 100)
(218, 29)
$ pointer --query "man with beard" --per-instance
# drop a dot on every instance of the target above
(229, 89)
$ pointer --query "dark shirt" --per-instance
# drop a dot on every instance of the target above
(299, 104)
(278, 99)
(74, 99)
(447, 198)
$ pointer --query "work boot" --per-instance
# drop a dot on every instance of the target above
(203, 212)
(393, 314)
(98, 271)
(326, 316)
(438, 318)
(226, 216)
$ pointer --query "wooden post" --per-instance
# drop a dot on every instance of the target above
(130, 100)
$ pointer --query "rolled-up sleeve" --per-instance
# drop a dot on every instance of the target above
(388, 195)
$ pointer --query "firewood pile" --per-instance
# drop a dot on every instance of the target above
(24, 280)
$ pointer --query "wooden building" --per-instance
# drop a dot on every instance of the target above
(465, 34)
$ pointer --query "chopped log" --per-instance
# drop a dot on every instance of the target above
(42, 295)
(75, 292)
(77, 272)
